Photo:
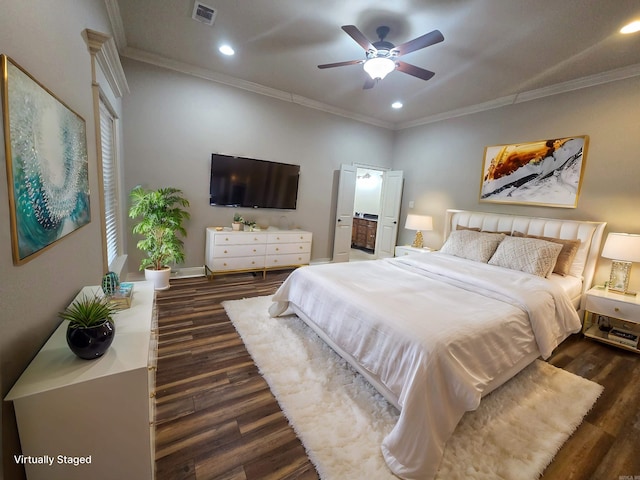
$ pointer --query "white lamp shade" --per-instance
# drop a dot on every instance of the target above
(418, 222)
(379, 67)
(622, 246)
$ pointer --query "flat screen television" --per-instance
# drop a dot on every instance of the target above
(248, 182)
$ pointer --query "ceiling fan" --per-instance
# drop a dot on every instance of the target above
(382, 56)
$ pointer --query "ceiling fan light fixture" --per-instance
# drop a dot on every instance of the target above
(379, 67)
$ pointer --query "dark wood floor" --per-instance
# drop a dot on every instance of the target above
(217, 419)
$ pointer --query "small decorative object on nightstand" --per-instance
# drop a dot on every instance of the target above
(402, 250)
(419, 223)
(623, 249)
(612, 318)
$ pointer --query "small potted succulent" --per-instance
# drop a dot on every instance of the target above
(238, 221)
(91, 329)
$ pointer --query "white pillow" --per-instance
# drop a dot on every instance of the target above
(525, 254)
(472, 245)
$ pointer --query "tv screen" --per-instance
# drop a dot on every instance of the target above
(247, 182)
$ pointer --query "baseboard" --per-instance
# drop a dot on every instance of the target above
(188, 272)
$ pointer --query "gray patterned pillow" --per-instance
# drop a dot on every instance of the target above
(525, 254)
(472, 245)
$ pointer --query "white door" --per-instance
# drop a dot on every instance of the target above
(389, 214)
(344, 213)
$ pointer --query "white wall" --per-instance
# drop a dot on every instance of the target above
(443, 161)
(45, 38)
(174, 122)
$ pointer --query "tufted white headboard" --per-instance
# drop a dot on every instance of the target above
(589, 234)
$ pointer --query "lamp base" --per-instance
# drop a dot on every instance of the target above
(418, 242)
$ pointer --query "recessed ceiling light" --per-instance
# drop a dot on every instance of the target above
(632, 27)
(226, 50)
(396, 105)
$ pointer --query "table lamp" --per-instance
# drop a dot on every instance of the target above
(419, 223)
(623, 249)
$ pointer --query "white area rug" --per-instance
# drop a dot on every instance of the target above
(341, 419)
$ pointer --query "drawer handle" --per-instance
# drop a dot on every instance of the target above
(253, 263)
(225, 251)
(255, 239)
(277, 238)
(300, 247)
(226, 239)
(254, 250)
(616, 309)
(225, 264)
(277, 249)
(275, 261)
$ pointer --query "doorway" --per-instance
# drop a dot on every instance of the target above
(366, 210)
(371, 223)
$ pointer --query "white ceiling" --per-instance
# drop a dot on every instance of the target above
(494, 52)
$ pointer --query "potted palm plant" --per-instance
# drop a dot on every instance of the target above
(91, 329)
(161, 213)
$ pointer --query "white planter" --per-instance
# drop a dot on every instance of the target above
(160, 278)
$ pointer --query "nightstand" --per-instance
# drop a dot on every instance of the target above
(408, 250)
(612, 318)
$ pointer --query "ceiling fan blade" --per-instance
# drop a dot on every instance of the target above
(340, 64)
(421, 42)
(413, 70)
(369, 83)
(358, 36)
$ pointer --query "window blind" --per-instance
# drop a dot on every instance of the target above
(110, 181)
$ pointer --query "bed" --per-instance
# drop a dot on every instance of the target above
(433, 333)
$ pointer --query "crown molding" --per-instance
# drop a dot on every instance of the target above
(113, 11)
(577, 84)
(160, 61)
(103, 48)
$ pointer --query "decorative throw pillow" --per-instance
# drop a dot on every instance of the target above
(472, 245)
(567, 254)
(530, 255)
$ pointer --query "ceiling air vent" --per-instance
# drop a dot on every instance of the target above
(203, 13)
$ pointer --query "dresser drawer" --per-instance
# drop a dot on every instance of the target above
(291, 259)
(289, 237)
(237, 263)
(226, 251)
(613, 308)
(284, 248)
(240, 238)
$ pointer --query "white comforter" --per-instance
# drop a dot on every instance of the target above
(436, 330)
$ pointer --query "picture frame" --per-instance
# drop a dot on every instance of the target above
(619, 276)
(543, 173)
(47, 164)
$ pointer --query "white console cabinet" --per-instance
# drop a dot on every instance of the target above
(228, 251)
(97, 413)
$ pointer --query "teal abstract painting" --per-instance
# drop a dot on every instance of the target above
(47, 164)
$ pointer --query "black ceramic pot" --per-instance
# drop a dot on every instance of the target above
(91, 342)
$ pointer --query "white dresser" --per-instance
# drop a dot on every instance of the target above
(228, 251)
(92, 418)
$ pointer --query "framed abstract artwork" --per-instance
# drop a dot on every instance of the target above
(545, 173)
(47, 164)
